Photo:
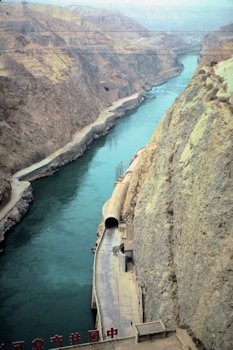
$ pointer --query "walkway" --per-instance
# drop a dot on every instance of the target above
(169, 343)
(115, 288)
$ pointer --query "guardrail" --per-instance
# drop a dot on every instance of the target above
(128, 173)
(99, 314)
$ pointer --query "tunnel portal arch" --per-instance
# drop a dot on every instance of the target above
(111, 222)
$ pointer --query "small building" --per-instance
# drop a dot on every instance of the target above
(150, 330)
(126, 250)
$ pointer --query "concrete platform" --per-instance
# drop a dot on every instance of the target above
(150, 331)
(115, 289)
(169, 343)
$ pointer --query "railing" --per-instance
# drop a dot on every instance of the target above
(99, 314)
(129, 172)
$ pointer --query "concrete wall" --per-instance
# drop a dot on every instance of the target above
(106, 344)
(113, 207)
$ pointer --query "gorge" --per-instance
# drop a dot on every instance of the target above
(47, 265)
(179, 207)
(60, 71)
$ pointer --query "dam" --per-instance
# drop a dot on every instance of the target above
(112, 208)
(46, 268)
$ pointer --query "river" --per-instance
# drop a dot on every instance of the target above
(46, 270)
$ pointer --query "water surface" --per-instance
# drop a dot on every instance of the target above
(46, 271)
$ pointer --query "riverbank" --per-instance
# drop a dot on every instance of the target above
(21, 194)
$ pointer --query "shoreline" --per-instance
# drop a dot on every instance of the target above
(81, 139)
(21, 194)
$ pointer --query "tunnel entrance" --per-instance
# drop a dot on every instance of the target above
(111, 223)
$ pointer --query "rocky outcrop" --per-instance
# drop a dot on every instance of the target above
(179, 210)
(17, 211)
(5, 190)
(217, 46)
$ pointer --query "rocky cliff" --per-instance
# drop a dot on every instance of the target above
(218, 46)
(58, 70)
(5, 190)
(179, 209)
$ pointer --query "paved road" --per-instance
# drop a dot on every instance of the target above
(114, 288)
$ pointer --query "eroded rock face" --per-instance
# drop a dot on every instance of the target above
(180, 213)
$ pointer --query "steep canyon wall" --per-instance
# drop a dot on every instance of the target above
(179, 210)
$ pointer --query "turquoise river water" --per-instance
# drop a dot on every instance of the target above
(46, 268)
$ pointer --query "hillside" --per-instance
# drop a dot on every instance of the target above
(58, 70)
(114, 23)
(179, 209)
(217, 46)
(125, 29)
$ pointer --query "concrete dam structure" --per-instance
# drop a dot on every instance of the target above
(112, 208)
(111, 219)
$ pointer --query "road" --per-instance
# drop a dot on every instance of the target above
(115, 288)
